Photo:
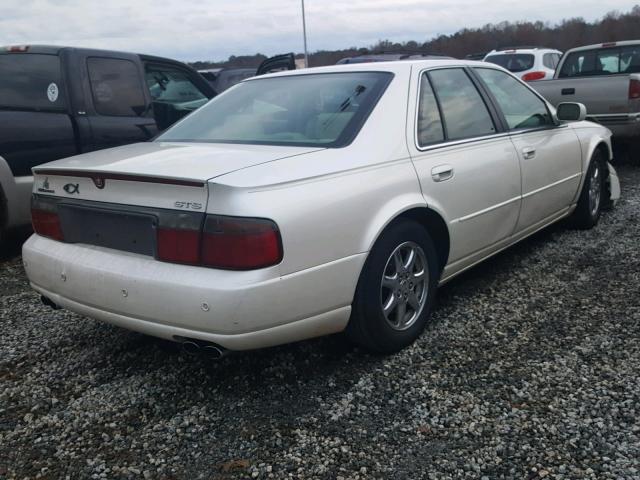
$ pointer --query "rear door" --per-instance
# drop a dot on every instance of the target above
(35, 126)
(118, 105)
(467, 165)
(550, 154)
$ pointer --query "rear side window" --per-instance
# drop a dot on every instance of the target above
(521, 107)
(550, 60)
(514, 62)
(602, 61)
(31, 81)
(429, 125)
(116, 87)
(464, 112)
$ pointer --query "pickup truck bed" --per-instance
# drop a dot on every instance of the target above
(609, 88)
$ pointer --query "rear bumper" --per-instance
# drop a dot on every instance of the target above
(622, 126)
(236, 310)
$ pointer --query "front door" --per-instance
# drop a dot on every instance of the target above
(550, 154)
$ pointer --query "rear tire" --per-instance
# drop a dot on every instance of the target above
(592, 198)
(396, 290)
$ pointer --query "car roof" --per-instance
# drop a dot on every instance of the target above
(392, 67)
(507, 51)
(56, 49)
(605, 45)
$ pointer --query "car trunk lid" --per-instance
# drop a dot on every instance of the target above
(154, 174)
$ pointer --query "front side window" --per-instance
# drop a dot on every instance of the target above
(464, 112)
(31, 81)
(602, 61)
(514, 62)
(307, 110)
(430, 128)
(171, 85)
(116, 87)
(521, 107)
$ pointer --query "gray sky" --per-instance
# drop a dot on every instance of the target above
(214, 29)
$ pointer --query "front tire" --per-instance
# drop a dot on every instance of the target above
(592, 198)
(396, 290)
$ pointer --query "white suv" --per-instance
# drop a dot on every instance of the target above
(528, 63)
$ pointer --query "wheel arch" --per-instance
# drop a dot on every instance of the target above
(432, 221)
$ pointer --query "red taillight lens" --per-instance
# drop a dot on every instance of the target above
(533, 76)
(178, 246)
(240, 243)
(47, 224)
(17, 48)
(634, 89)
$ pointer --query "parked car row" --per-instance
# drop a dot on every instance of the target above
(223, 78)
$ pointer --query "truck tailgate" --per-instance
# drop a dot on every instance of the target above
(604, 95)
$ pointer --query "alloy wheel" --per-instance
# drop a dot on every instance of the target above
(404, 286)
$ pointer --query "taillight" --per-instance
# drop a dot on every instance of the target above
(238, 243)
(17, 48)
(178, 246)
(47, 224)
(634, 89)
(533, 76)
(232, 243)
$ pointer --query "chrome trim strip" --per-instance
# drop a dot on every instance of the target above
(613, 115)
(554, 184)
(514, 199)
(487, 210)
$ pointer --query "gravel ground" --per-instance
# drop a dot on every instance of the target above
(528, 370)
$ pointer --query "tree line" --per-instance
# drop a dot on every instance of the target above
(614, 26)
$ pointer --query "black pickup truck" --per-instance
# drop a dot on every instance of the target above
(60, 101)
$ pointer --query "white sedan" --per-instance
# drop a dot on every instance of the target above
(305, 203)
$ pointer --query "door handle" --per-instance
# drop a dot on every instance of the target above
(441, 173)
(528, 153)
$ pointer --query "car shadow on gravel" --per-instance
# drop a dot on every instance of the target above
(11, 247)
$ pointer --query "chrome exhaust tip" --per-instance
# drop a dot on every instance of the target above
(191, 346)
(213, 352)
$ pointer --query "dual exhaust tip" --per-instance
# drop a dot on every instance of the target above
(190, 346)
(195, 347)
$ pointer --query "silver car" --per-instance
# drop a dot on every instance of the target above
(305, 203)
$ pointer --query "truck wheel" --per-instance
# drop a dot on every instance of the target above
(592, 198)
(396, 290)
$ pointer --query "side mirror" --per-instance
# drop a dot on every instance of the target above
(571, 112)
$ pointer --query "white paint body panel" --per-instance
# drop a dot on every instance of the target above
(330, 206)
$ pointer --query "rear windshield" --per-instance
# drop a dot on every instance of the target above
(31, 82)
(306, 110)
(602, 61)
(514, 62)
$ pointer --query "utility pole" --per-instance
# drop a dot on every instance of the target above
(304, 34)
